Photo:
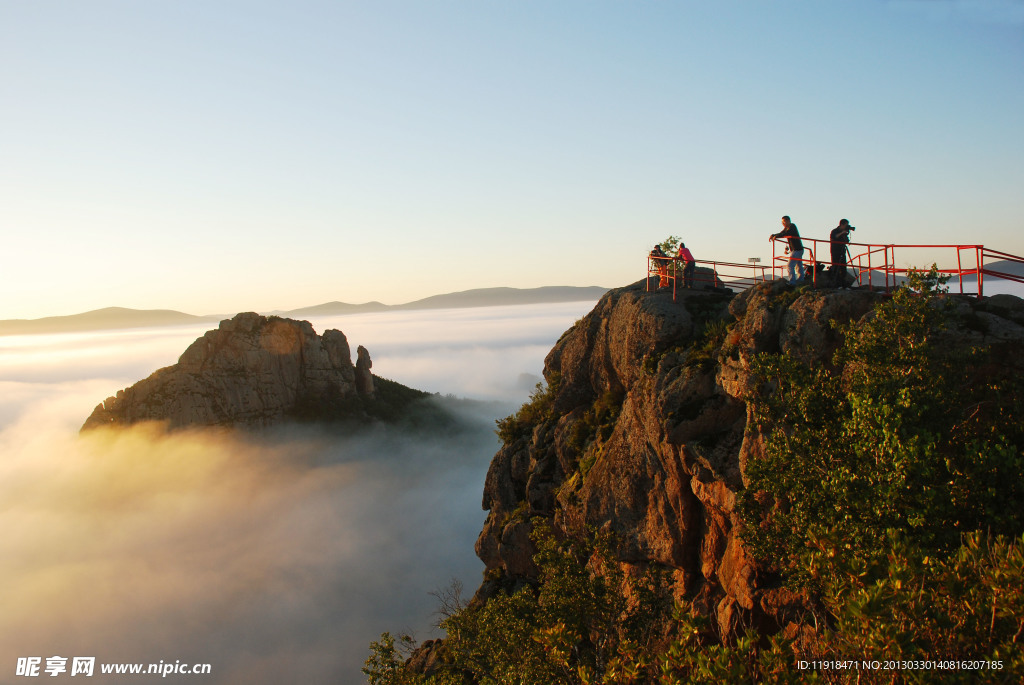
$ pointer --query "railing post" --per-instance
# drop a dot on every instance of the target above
(959, 271)
(674, 274)
(890, 266)
(773, 259)
(869, 270)
(979, 255)
(890, 261)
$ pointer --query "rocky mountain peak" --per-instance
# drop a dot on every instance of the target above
(252, 370)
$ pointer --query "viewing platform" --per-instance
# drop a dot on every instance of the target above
(871, 266)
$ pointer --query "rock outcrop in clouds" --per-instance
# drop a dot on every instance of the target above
(254, 371)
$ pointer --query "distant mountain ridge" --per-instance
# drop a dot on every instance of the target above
(121, 317)
(478, 297)
(101, 319)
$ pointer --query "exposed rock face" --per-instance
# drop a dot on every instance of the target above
(364, 379)
(663, 472)
(251, 371)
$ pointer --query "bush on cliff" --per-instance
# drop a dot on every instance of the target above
(534, 412)
(914, 606)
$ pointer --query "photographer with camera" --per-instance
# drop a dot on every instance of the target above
(840, 238)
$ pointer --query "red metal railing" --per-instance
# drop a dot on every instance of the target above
(873, 263)
(984, 252)
(873, 266)
(669, 270)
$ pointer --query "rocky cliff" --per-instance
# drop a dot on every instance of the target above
(251, 371)
(646, 426)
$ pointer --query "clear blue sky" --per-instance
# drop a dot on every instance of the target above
(217, 155)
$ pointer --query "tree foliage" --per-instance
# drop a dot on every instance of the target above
(916, 606)
(534, 412)
(571, 626)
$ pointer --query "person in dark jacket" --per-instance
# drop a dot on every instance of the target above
(795, 249)
(839, 238)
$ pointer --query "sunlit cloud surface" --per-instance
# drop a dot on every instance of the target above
(274, 559)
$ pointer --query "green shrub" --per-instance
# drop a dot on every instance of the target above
(703, 351)
(588, 435)
(386, 663)
(916, 606)
(535, 411)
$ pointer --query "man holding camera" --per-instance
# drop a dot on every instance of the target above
(840, 238)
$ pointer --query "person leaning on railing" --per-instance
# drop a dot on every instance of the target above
(795, 249)
(689, 265)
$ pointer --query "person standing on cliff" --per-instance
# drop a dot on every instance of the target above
(839, 239)
(689, 265)
(795, 249)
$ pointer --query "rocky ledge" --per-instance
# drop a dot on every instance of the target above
(253, 371)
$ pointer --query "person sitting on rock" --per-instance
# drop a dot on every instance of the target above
(661, 262)
(689, 265)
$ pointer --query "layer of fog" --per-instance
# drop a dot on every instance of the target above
(275, 559)
(991, 286)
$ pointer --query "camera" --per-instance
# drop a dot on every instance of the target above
(853, 228)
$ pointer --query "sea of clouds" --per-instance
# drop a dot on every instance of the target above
(275, 559)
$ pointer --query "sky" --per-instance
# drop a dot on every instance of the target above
(215, 157)
(275, 559)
